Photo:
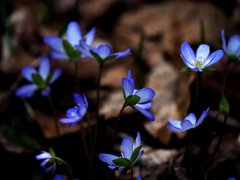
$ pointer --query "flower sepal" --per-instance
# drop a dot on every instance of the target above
(206, 69)
(38, 80)
(49, 163)
(135, 154)
(51, 151)
(185, 69)
(125, 170)
(233, 58)
(132, 100)
(122, 162)
(224, 105)
(101, 60)
(72, 53)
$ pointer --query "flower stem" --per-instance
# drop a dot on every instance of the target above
(90, 131)
(84, 141)
(132, 173)
(98, 97)
(217, 146)
(198, 92)
(116, 123)
(191, 154)
(76, 74)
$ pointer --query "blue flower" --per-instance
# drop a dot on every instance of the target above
(145, 94)
(138, 178)
(202, 58)
(188, 123)
(73, 37)
(232, 178)
(103, 52)
(77, 113)
(127, 152)
(46, 157)
(59, 177)
(233, 47)
(46, 78)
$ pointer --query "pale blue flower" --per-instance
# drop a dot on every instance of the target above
(188, 123)
(43, 71)
(202, 58)
(77, 113)
(46, 157)
(127, 146)
(233, 47)
(145, 94)
(74, 35)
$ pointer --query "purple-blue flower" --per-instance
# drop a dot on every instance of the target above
(202, 58)
(74, 35)
(44, 73)
(59, 177)
(145, 94)
(188, 123)
(103, 52)
(127, 152)
(46, 157)
(233, 46)
(77, 113)
(138, 178)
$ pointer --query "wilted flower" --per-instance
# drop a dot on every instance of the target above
(129, 156)
(77, 113)
(40, 80)
(188, 123)
(202, 59)
(74, 35)
(145, 94)
(233, 47)
(101, 53)
(48, 164)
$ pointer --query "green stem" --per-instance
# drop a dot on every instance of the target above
(198, 92)
(132, 173)
(116, 123)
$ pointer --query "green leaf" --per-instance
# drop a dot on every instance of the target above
(132, 100)
(51, 151)
(68, 49)
(38, 80)
(124, 95)
(49, 77)
(224, 105)
(122, 162)
(206, 69)
(135, 153)
(49, 162)
(97, 57)
(124, 171)
(185, 69)
(233, 58)
(109, 58)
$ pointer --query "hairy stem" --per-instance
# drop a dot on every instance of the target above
(198, 92)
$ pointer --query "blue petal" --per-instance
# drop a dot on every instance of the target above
(44, 94)
(57, 73)
(78, 99)
(175, 123)
(55, 43)
(127, 146)
(112, 167)
(85, 100)
(89, 37)
(186, 63)
(145, 112)
(145, 106)
(81, 111)
(68, 120)
(233, 45)
(73, 33)
(138, 140)
(196, 69)
(44, 67)
(43, 155)
(128, 86)
(192, 118)
(232, 178)
(26, 90)
(138, 178)
(213, 58)
(27, 72)
(58, 55)
(186, 124)
(129, 74)
(74, 123)
(171, 127)
(58, 177)
(103, 51)
(50, 169)
(145, 94)
(204, 114)
(122, 54)
(203, 51)
(72, 112)
(85, 49)
(187, 54)
(108, 158)
(139, 155)
(224, 46)
(42, 165)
